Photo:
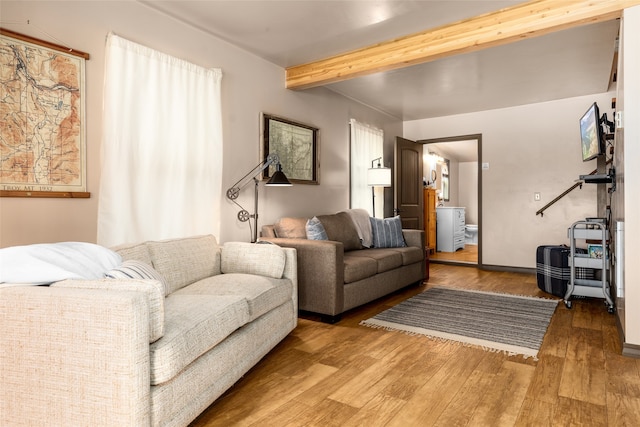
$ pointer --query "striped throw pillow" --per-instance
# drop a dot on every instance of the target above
(132, 269)
(387, 233)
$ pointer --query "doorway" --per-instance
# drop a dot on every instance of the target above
(452, 167)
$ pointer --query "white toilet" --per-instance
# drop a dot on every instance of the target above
(471, 234)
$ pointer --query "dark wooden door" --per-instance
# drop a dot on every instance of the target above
(408, 183)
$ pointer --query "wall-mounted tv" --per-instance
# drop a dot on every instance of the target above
(592, 139)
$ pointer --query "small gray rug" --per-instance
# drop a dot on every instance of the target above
(510, 323)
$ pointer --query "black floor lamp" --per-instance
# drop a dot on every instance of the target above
(278, 179)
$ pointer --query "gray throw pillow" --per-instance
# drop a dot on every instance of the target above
(315, 230)
(387, 233)
(340, 228)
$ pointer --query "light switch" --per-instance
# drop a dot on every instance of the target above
(536, 197)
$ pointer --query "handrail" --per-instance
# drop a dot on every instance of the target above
(567, 191)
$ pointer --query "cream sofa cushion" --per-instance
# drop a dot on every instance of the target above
(250, 258)
(261, 293)
(136, 252)
(186, 260)
(194, 324)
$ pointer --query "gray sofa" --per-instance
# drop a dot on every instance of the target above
(137, 352)
(338, 274)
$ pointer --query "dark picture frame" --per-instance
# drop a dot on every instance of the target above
(297, 146)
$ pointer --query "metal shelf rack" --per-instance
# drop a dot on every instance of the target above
(589, 231)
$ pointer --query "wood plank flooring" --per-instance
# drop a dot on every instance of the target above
(350, 375)
(468, 254)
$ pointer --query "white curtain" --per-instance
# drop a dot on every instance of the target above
(161, 147)
(366, 145)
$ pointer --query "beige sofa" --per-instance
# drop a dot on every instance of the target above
(134, 352)
(338, 274)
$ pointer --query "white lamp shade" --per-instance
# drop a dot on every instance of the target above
(379, 177)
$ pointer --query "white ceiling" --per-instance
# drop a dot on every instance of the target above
(565, 64)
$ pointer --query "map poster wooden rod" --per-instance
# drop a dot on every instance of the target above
(43, 43)
(52, 194)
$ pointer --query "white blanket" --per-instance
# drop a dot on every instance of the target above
(50, 262)
(360, 218)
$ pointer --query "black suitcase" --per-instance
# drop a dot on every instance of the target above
(552, 269)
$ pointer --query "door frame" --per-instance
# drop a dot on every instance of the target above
(478, 138)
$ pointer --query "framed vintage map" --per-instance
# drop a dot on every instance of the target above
(297, 146)
(42, 110)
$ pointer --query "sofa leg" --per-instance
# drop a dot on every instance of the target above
(330, 319)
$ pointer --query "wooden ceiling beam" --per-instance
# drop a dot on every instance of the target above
(522, 21)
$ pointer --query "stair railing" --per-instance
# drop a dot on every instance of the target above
(567, 191)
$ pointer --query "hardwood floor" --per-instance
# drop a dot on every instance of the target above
(469, 254)
(350, 375)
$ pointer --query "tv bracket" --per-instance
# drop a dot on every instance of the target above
(602, 178)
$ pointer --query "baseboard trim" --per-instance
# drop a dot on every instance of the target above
(631, 350)
(628, 350)
(509, 269)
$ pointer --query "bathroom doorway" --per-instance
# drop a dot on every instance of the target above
(452, 167)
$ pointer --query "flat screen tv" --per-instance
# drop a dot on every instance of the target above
(592, 139)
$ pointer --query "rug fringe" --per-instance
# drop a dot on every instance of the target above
(449, 341)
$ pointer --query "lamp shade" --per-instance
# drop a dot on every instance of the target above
(278, 178)
(379, 177)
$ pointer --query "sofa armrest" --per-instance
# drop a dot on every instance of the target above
(153, 289)
(320, 273)
(291, 273)
(74, 356)
(414, 237)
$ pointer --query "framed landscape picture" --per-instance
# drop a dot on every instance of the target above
(297, 146)
(595, 251)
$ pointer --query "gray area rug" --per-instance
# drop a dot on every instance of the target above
(500, 322)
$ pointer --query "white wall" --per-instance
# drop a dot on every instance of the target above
(250, 86)
(468, 190)
(530, 148)
(631, 178)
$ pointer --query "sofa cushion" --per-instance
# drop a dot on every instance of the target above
(193, 325)
(137, 252)
(292, 228)
(387, 233)
(315, 230)
(340, 228)
(358, 267)
(260, 259)
(387, 259)
(186, 260)
(261, 293)
(410, 254)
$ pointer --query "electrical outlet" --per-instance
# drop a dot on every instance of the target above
(536, 197)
